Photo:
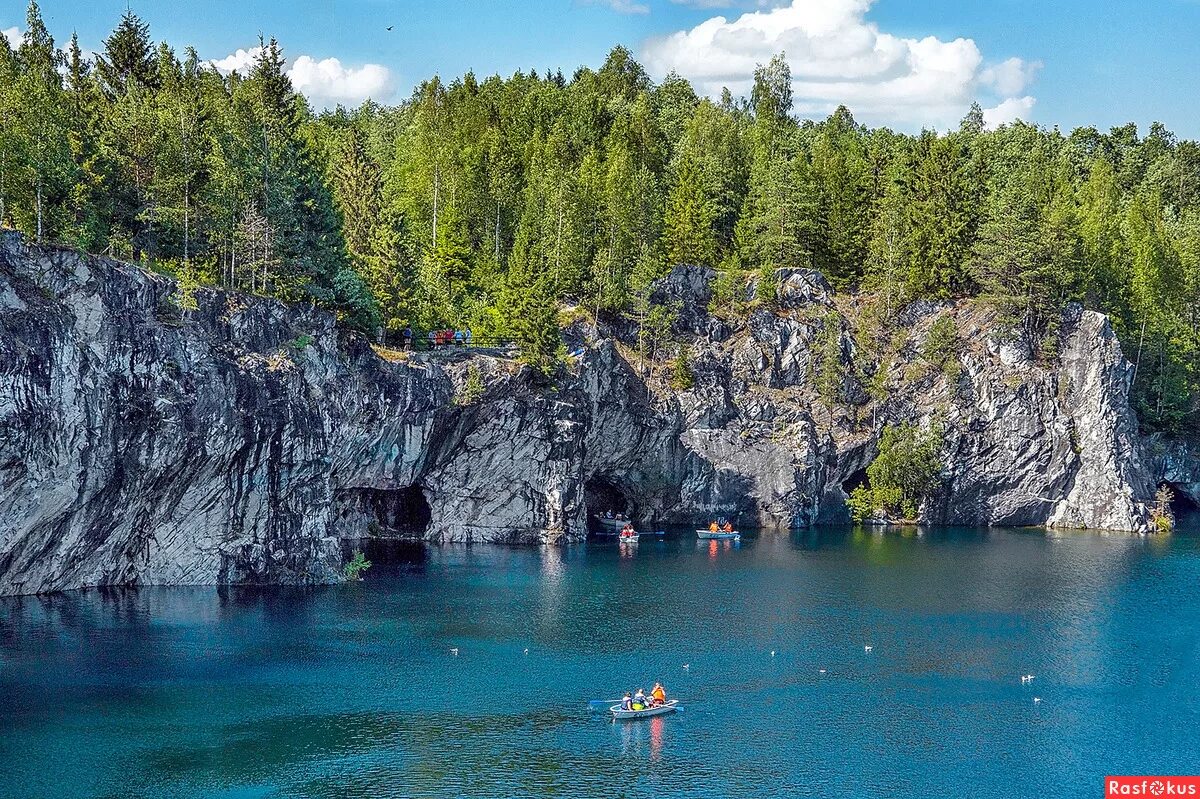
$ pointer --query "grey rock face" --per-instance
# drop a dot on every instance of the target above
(1177, 464)
(244, 441)
(797, 287)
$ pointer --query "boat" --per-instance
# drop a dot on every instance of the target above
(721, 535)
(658, 710)
(629, 538)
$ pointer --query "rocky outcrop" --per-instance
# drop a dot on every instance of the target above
(149, 437)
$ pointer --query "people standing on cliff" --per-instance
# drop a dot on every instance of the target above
(467, 336)
(407, 336)
(458, 338)
(432, 340)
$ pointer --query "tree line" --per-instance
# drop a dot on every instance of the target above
(492, 203)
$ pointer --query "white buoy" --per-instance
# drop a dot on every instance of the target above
(454, 651)
(1037, 699)
(687, 666)
(772, 653)
(1026, 678)
(868, 648)
(526, 650)
(822, 671)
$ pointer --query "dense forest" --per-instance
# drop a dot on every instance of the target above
(492, 202)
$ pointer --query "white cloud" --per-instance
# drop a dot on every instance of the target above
(837, 56)
(13, 35)
(624, 6)
(240, 61)
(1009, 110)
(326, 82)
(1011, 76)
(742, 4)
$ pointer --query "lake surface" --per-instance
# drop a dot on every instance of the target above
(353, 691)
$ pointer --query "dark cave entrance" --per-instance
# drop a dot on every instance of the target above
(399, 512)
(1184, 505)
(602, 494)
(855, 480)
(388, 525)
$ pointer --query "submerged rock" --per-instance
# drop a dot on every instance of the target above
(243, 441)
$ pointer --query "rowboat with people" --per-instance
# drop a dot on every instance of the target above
(720, 535)
(621, 713)
(719, 530)
(642, 705)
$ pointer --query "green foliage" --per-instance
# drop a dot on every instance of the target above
(654, 330)
(185, 291)
(301, 341)
(941, 347)
(682, 378)
(690, 214)
(905, 473)
(766, 284)
(473, 388)
(491, 201)
(357, 566)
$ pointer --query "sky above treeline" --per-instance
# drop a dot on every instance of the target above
(907, 64)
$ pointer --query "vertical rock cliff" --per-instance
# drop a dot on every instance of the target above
(241, 441)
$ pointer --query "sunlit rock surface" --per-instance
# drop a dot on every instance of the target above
(243, 440)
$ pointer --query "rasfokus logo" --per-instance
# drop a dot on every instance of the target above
(1151, 786)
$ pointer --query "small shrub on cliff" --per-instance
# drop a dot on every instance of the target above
(906, 472)
(941, 348)
(830, 372)
(728, 289)
(682, 378)
(185, 290)
(301, 341)
(357, 565)
(472, 389)
(1162, 520)
(764, 290)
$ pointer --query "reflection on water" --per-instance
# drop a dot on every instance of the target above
(352, 691)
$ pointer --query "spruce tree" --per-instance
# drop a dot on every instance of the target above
(689, 217)
(128, 57)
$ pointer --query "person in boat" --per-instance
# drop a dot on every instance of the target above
(639, 700)
(608, 514)
(627, 530)
(713, 527)
(627, 702)
(728, 528)
(658, 695)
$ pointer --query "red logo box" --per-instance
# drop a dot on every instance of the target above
(1152, 787)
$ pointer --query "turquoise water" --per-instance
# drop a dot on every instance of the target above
(352, 691)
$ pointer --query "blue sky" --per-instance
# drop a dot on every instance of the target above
(906, 63)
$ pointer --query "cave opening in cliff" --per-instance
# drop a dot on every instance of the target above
(374, 512)
(1183, 505)
(855, 480)
(601, 495)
